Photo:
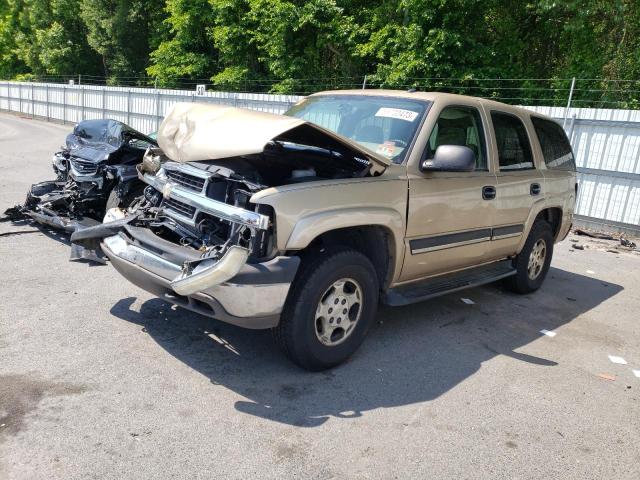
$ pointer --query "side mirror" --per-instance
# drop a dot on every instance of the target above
(450, 158)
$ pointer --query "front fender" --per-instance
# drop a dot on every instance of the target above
(310, 227)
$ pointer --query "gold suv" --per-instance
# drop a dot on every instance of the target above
(304, 222)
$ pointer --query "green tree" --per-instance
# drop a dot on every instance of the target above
(281, 44)
(44, 37)
(122, 32)
(186, 51)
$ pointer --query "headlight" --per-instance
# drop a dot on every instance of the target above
(150, 162)
(58, 162)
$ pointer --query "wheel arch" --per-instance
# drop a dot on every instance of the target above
(372, 235)
(550, 214)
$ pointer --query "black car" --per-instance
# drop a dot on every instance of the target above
(96, 171)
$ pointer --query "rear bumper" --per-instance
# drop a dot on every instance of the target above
(252, 298)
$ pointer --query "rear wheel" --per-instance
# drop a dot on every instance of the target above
(329, 310)
(532, 263)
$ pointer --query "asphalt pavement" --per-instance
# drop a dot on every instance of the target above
(99, 379)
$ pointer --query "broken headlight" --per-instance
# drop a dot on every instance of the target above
(59, 163)
(151, 160)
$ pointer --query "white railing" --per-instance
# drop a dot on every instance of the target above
(606, 141)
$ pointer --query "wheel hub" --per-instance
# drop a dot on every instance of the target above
(338, 312)
(537, 259)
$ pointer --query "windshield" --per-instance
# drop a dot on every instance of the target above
(99, 131)
(384, 125)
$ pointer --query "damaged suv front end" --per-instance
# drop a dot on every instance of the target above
(195, 237)
(203, 254)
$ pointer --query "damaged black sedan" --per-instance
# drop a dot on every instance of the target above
(95, 171)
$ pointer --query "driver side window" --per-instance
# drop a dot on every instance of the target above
(459, 126)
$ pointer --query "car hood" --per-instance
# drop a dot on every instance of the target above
(194, 132)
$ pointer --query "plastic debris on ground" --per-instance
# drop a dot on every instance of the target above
(606, 376)
(591, 272)
(627, 243)
(468, 301)
(548, 333)
(636, 373)
(618, 360)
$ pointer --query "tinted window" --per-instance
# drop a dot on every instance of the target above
(384, 125)
(459, 126)
(99, 131)
(556, 149)
(514, 150)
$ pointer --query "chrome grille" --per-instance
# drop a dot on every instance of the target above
(83, 167)
(179, 207)
(187, 181)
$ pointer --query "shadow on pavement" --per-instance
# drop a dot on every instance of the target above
(412, 354)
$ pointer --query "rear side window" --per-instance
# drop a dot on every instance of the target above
(556, 148)
(514, 149)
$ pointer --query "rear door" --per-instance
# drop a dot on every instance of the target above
(520, 183)
(560, 171)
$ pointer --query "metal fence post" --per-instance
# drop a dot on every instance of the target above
(104, 92)
(64, 104)
(46, 90)
(19, 97)
(571, 126)
(33, 104)
(157, 109)
(8, 96)
(82, 99)
(364, 83)
(566, 111)
(129, 107)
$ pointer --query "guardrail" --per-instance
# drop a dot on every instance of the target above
(606, 141)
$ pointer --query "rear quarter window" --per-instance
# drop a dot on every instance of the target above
(555, 145)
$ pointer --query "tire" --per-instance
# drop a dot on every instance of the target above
(311, 342)
(526, 279)
(114, 200)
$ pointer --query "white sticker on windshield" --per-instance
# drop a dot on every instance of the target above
(398, 113)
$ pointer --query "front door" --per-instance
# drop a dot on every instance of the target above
(450, 214)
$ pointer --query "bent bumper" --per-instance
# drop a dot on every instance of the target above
(252, 298)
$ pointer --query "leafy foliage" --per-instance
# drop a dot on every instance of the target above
(306, 45)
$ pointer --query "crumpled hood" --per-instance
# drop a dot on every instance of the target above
(93, 153)
(197, 131)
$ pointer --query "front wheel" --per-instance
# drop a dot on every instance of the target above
(532, 263)
(115, 200)
(329, 310)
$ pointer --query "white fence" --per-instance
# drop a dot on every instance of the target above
(140, 108)
(606, 142)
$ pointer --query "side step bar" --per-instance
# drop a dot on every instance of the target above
(441, 285)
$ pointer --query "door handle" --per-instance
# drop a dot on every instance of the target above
(535, 189)
(488, 192)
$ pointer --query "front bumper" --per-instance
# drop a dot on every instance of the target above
(252, 298)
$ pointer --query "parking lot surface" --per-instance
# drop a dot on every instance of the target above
(99, 379)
